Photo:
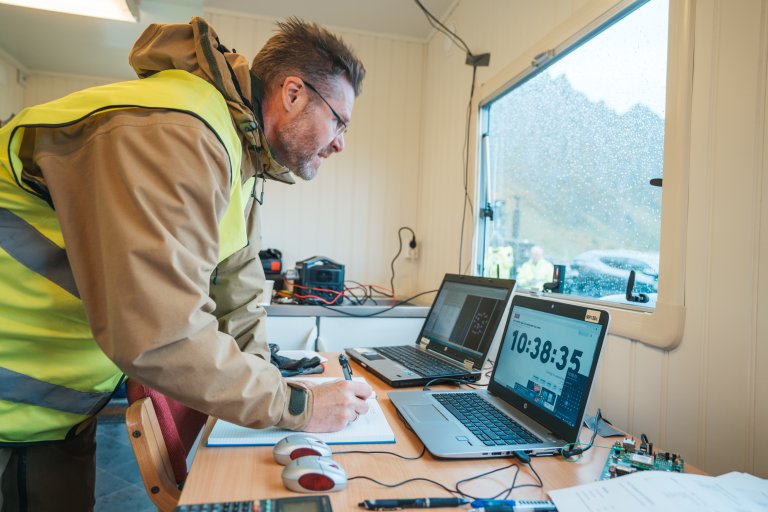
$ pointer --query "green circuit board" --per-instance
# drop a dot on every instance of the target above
(625, 459)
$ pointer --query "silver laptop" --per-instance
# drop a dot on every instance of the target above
(538, 393)
(455, 339)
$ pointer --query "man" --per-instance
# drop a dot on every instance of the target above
(535, 272)
(129, 239)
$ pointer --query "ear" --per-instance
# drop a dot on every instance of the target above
(293, 93)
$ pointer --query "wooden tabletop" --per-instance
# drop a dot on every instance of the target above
(245, 473)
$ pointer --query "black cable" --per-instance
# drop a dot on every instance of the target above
(489, 371)
(467, 199)
(506, 491)
(417, 457)
(399, 303)
(357, 299)
(454, 381)
(538, 485)
(459, 491)
(569, 453)
(511, 487)
(454, 38)
(399, 250)
(398, 484)
(442, 28)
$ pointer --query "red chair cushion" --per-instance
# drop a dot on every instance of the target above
(179, 424)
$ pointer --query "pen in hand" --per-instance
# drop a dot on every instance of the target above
(345, 367)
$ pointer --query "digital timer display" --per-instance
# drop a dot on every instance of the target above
(546, 359)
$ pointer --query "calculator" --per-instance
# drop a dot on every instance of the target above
(298, 504)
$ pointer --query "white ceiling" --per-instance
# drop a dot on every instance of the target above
(63, 43)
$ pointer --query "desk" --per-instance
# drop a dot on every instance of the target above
(243, 473)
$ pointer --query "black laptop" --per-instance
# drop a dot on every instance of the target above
(455, 339)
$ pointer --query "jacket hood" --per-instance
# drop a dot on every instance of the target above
(195, 48)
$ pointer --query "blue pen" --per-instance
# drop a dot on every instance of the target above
(345, 367)
(513, 505)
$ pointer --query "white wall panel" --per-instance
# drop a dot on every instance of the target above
(11, 92)
(42, 87)
(707, 399)
(352, 210)
(336, 334)
(613, 383)
(731, 322)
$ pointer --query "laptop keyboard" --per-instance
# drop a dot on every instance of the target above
(421, 363)
(485, 421)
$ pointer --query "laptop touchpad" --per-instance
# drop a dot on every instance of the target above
(370, 355)
(426, 412)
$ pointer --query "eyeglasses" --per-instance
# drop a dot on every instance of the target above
(341, 126)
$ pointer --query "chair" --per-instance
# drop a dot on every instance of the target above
(162, 432)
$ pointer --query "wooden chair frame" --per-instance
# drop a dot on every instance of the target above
(152, 454)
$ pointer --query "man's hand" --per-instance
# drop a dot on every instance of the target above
(337, 403)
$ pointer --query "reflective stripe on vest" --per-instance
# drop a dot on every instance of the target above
(30, 248)
(23, 389)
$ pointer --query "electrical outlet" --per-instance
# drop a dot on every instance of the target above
(413, 253)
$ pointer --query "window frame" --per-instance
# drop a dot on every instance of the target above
(663, 326)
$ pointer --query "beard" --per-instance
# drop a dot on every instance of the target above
(297, 147)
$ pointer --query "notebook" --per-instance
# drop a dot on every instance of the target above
(538, 393)
(455, 339)
(371, 427)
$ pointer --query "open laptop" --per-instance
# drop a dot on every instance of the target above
(454, 340)
(538, 393)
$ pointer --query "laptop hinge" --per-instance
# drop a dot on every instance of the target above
(469, 365)
(424, 342)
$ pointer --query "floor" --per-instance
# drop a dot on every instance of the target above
(118, 482)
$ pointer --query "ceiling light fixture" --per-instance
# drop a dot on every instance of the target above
(122, 10)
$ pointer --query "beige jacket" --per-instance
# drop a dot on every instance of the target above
(139, 195)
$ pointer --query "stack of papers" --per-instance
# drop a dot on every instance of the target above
(660, 490)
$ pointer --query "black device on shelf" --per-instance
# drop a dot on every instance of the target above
(272, 263)
(320, 281)
(558, 280)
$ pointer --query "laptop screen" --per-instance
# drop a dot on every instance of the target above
(465, 316)
(547, 359)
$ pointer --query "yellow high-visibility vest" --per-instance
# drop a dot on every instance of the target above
(53, 375)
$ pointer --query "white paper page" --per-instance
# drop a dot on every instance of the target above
(748, 490)
(650, 491)
(371, 427)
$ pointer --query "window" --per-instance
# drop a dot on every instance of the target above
(568, 151)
